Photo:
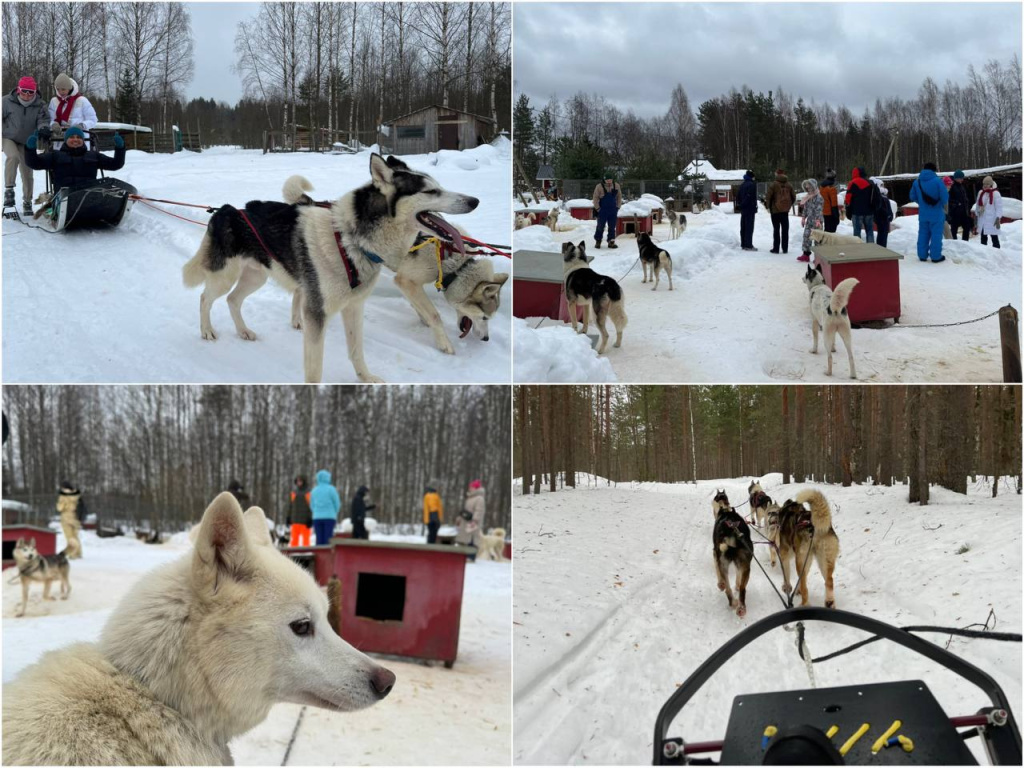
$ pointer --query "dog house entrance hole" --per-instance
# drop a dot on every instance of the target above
(9, 550)
(380, 597)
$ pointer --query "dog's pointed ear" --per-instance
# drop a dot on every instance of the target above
(32, 542)
(396, 164)
(583, 245)
(381, 172)
(222, 547)
(256, 526)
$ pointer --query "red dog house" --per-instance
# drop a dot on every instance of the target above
(634, 225)
(507, 551)
(581, 209)
(877, 297)
(46, 540)
(400, 598)
(538, 287)
(540, 215)
(318, 560)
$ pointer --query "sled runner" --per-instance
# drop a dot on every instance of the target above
(891, 723)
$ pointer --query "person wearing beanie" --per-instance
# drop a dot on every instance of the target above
(73, 165)
(357, 515)
(959, 209)
(69, 107)
(861, 203)
(67, 507)
(746, 199)
(471, 521)
(607, 200)
(829, 200)
(989, 207)
(24, 113)
(779, 201)
(883, 213)
(812, 216)
(931, 197)
(433, 511)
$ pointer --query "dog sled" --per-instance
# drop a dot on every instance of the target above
(891, 723)
(101, 203)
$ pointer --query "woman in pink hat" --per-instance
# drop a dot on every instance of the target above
(24, 113)
(471, 521)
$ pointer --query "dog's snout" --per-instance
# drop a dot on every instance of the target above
(382, 681)
(472, 203)
(486, 338)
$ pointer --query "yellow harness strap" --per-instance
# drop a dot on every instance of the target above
(437, 253)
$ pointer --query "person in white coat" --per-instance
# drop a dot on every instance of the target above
(989, 210)
(69, 107)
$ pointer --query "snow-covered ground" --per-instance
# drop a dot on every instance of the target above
(616, 603)
(742, 316)
(434, 716)
(108, 306)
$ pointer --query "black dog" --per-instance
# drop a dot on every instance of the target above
(732, 546)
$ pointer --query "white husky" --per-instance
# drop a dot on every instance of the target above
(828, 310)
(195, 655)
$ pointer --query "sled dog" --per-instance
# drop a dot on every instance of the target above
(732, 546)
(677, 223)
(583, 285)
(759, 502)
(469, 284)
(331, 256)
(552, 220)
(654, 258)
(720, 502)
(45, 568)
(828, 311)
(805, 529)
(524, 220)
(492, 544)
(821, 237)
(772, 516)
(196, 654)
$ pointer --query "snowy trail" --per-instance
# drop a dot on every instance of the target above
(108, 306)
(616, 603)
(742, 317)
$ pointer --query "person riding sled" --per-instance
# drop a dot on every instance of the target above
(73, 165)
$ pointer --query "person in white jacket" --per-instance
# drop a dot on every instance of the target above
(69, 107)
(989, 210)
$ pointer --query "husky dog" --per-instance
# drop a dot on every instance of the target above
(196, 654)
(828, 311)
(552, 220)
(332, 256)
(677, 223)
(469, 285)
(821, 237)
(772, 516)
(45, 568)
(759, 502)
(492, 544)
(524, 220)
(583, 285)
(654, 258)
(805, 529)
(732, 546)
(720, 502)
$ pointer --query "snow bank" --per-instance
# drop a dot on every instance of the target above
(536, 238)
(554, 353)
(1011, 208)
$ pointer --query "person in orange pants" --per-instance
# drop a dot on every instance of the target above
(300, 517)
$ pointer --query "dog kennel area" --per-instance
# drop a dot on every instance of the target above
(46, 541)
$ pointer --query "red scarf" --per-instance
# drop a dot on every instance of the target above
(64, 107)
(991, 192)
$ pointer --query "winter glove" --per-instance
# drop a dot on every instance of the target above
(997, 224)
(79, 125)
(118, 141)
(44, 133)
(54, 126)
(32, 141)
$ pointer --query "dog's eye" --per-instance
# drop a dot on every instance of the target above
(302, 627)
(433, 191)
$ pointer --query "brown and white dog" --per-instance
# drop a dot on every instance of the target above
(805, 529)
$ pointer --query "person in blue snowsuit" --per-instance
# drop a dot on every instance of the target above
(931, 197)
(607, 200)
(325, 503)
(746, 198)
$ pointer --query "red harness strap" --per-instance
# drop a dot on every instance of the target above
(265, 249)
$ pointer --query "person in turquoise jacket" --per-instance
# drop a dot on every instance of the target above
(931, 197)
(325, 503)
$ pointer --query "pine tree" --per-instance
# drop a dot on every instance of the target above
(126, 101)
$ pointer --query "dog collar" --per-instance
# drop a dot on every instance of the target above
(448, 279)
(372, 257)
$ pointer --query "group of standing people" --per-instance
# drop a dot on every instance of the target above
(469, 522)
(315, 510)
(947, 201)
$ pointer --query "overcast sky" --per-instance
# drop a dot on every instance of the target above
(633, 54)
(213, 30)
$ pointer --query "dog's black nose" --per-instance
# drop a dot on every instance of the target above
(472, 202)
(382, 681)
(486, 338)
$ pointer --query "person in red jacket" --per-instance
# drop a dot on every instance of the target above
(861, 203)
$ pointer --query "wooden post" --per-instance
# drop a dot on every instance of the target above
(1010, 342)
(334, 603)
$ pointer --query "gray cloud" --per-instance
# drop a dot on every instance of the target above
(843, 53)
(213, 30)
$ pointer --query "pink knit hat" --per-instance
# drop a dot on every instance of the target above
(474, 485)
(28, 83)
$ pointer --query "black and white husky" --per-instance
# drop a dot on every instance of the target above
(677, 223)
(828, 311)
(584, 286)
(331, 257)
(654, 258)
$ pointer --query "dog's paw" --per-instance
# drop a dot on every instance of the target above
(446, 347)
(63, 597)
(721, 586)
(19, 615)
(371, 379)
(247, 335)
(830, 603)
(209, 334)
(297, 325)
(741, 611)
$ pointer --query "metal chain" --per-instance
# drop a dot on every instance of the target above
(947, 325)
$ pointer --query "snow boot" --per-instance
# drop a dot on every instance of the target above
(8, 197)
(611, 244)
(597, 244)
(27, 208)
(804, 257)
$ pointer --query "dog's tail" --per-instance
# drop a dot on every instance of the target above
(193, 274)
(841, 295)
(821, 513)
(294, 190)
